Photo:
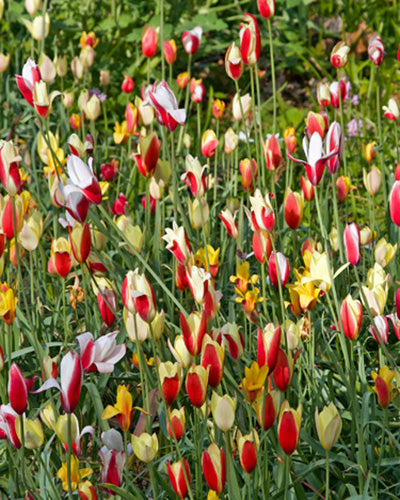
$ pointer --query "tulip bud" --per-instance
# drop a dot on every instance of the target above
(394, 203)
(369, 151)
(339, 55)
(35, 27)
(92, 109)
(270, 403)
(149, 41)
(213, 358)
(177, 418)
(380, 329)
(47, 68)
(376, 50)
(127, 85)
(250, 41)
(293, 208)
(282, 266)
(191, 39)
(266, 8)
(248, 170)
(383, 386)
(138, 295)
(329, 425)
(182, 80)
(262, 246)
(214, 467)
(268, 342)
(244, 105)
(209, 143)
(170, 51)
(218, 109)
(61, 256)
(223, 411)
(272, 153)
(233, 62)
(80, 240)
(289, 427)
(351, 239)
(179, 482)
(61, 65)
(198, 213)
(289, 136)
(351, 315)
(104, 77)
(231, 141)
(170, 380)
(391, 110)
(385, 252)
(248, 447)
(17, 389)
(32, 6)
(323, 94)
(315, 123)
(68, 99)
(307, 188)
(372, 180)
(342, 188)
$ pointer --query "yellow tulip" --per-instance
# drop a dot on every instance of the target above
(329, 425)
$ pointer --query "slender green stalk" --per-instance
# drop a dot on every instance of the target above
(69, 431)
(381, 154)
(126, 437)
(338, 224)
(271, 52)
(22, 449)
(182, 130)
(327, 476)
(162, 39)
(286, 473)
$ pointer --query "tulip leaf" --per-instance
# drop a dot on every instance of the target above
(97, 403)
(122, 491)
(341, 269)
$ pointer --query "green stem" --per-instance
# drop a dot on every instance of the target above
(126, 459)
(327, 476)
(271, 52)
(338, 224)
(21, 420)
(381, 155)
(286, 477)
(69, 422)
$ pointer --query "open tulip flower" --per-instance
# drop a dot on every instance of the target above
(26, 82)
(101, 354)
(77, 474)
(254, 380)
(122, 409)
(165, 105)
(316, 161)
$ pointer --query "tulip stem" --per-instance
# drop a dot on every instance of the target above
(246, 131)
(162, 39)
(381, 451)
(327, 476)
(286, 476)
(69, 437)
(255, 123)
(142, 373)
(249, 483)
(337, 220)
(21, 421)
(381, 155)
(126, 460)
(396, 142)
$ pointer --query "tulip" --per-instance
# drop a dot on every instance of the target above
(170, 380)
(250, 40)
(262, 246)
(113, 458)
(80, 240)
(270, 403)
(376, 50)
(248, 170)
(218, 109)
(342, 188)
(370, 151)
(8, 303)
(233, 62)
(194, 176)
(194, 328)
(284, 369)
(170, 51)
(180, 480)
(351, 316)
(323, 94)
(108, 170)
(268, 342)
(177, 419)
(17, 389)
(41, 100)
(209, 143)
(71, 381)
(9, 172)
(33, 433)
(47, 69)
(197, 90)
(77, 68)
(32, 6)
(334, 143)
(138, 295)
(383, 386)
(336, 88)
(372, 181)
(165, 105)
(289, 136)
(61, 256)
(241, 108)
(231, 141)
(107, 302)
(380, 329)
(145, 447)
(254, 380)
(315, 162)
(127, 85)
(289, 427)
(61, 65)
(131, 118)
(384, 252)
(76, 474)
(282, 266)
(149, 41)
(122, 409)
(339, 55)
(223, 411)
(182, 80)
(8, 422)
(214, 467)
(26, 82)
(315, 123)
(272, 153)
(87, 491)
(394, 203)
(351, 237)
(391, 110)
(366, 236)
(133, 234)
(307, 188)
(191, 39)
(147, 160)
(329, 425)
(198, 212)
(39, 27)
(178, 243)
(75, 121)
(266, 8)
(248, 447)
(82, 176)
(101, 354)
(233, 340)
(213, 359)
(293, 208)
(180, 353)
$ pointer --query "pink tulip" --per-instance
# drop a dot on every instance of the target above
(394, 203)
(284, 269)
(17, 389)
(334, 142)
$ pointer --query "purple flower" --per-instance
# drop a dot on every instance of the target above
(354, 128)
(355, 101)
(101, 96)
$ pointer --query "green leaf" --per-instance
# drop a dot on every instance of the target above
(97, 403)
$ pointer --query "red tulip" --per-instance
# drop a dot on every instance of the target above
(213, 357)
(233, 62)
(351, 315)
(289, 427)
(26, 82)
(284, 269)
(268, 342)
(250, 40)
(194, 328)
(149, 41)
(293, 206)
(214, 467)
(266, 8)
(179, 482)
(394, 203)
(196, 385)
(351, 239)
(191, 39)
(272, 153)
(376, 50)
(247, 448)
(127, 85)
(9, 172)
(380, 329)
(107, 302)
(80, 240)
(262, 246)
(165, 105)
(17, 389)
